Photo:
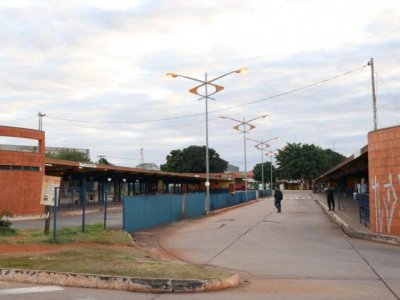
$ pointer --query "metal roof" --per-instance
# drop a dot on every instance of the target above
(354, 164)
(58, 167)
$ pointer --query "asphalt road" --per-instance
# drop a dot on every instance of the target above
(297, 254)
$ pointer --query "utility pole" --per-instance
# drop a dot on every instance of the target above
(141, 156)
(371, 63)
(47, 207)
(40, 115)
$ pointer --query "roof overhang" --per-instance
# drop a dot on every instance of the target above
(95, 172)
(353, 165)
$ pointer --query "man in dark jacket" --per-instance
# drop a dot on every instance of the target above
(278, 198)
(329, 197)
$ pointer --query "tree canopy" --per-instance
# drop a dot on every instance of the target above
(103, 161)
(193, 160)
(266, 167)
(297, 161)
(70, 154)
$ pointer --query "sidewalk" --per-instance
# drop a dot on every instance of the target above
(347, 218)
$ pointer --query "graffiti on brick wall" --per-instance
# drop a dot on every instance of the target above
(385, 206)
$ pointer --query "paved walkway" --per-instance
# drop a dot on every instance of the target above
(346, 215)
(293, 255)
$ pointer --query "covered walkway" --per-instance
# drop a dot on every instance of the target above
(347, 216)
(97, 182)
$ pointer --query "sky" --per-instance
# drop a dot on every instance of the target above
(97, 69)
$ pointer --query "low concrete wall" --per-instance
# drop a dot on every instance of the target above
(116, 282)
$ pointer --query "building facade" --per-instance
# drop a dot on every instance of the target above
(384, 180)
(21, 173)
(378, 163)
(24, 169)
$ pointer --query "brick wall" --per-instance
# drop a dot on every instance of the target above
(384, 180)
(21, 174)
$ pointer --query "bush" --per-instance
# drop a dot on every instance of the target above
(5, 224)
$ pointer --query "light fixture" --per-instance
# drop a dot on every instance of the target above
(207, 95)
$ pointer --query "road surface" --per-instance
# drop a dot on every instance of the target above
(297, 254)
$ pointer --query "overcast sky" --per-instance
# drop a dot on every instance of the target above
(97, 70)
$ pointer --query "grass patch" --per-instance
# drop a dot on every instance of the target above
(7, 232)
(103, 260)
(96, 251)
(94, 233)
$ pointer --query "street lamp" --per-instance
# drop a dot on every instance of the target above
(205, 83)
(40, 115)
(271, 153)
(243, 127)
(262, 145)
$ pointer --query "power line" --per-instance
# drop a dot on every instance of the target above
(127, 122)
(297, 89)
(387, 89)
(308, 86)
(121, 157)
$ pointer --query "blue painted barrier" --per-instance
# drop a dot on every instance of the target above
(151, 210)
(195, 205)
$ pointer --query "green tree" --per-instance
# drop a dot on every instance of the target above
(266, 166)
(193, 160)
(332, 158)
(70, 154)
(297, 161)
(103, 161)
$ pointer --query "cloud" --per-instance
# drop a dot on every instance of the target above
(97, 69)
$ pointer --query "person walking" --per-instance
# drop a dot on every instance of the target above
(278, 198)
(329, 197)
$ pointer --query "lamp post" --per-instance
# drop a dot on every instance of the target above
(40, 115)
(262, 145)
(371, 63)
(205, 83)
(271, 154)
(244, 126)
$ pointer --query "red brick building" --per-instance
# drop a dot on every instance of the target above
(21, 173)
(379, 164)
(384, 180)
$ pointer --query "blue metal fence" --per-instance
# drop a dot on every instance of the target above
(194, 205)
(265, 193)
(151, 210)
(148, 211)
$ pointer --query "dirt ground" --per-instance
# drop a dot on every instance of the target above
(146, 240)
(151, 240)
(13, 248)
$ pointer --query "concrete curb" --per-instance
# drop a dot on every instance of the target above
(116, 282)
(351, 232)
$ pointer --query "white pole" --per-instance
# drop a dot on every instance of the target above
(207, 204)
(371, 63)
(271, 172)
(262, 164)
(245, 156)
